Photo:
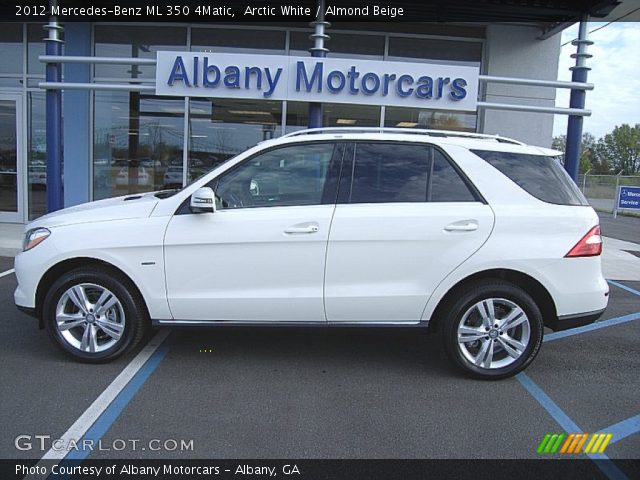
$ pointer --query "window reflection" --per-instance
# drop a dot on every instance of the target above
(8, 163)
(35, 47)
(11, 48)
(333, 115)
(137, 139)
(138, 42)
(220, 129)
(37, 155)
(431, 119)
(237, 41)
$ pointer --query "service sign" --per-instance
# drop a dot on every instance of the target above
(309, 79)
(629, 197)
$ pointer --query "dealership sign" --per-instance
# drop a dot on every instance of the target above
(309, 79)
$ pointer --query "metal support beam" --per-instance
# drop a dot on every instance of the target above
(54, 117)
(318, 50)
(577, 101)
(102, 60)
(581, 112)
(535, 83)
(129, 87)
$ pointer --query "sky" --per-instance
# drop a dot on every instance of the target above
(615, 73)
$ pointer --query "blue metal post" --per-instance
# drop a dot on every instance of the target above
(318, 50)
(577, 99)
(54, 119)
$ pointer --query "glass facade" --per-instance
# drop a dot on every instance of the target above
(142, 142)
(36, 155)
(136, 139)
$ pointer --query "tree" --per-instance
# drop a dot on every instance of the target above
(587, 150)
(621, 149)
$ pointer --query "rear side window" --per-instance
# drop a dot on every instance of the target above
(539, 175)
(385, 173)
(397, 172)
(446, 184)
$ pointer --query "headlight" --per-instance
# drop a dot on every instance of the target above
(34, 237)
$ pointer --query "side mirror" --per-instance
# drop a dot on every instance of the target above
(203, 200)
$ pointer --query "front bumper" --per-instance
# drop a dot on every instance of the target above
(564, 322)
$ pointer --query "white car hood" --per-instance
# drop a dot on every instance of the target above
(119, 208)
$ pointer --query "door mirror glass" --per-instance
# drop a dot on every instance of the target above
(203, 200)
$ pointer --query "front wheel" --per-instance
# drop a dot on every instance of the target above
(93, 316)
(493, 330)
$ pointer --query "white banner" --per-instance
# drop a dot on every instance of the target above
(309, 79)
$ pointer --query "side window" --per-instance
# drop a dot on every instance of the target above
(446, 183)
(287, 176)
(389, 172)
(539, 175)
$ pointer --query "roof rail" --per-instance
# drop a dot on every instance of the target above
(414, 131)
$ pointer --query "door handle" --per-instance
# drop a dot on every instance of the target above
(297, 229)
(462, 226)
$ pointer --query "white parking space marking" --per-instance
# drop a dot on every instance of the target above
(88, 418)
(8, 272)
(617, 262)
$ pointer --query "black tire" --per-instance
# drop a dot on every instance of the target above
(463, 300)
(136, 318)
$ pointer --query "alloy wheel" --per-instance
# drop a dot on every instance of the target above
(493, 333)
(90, 317)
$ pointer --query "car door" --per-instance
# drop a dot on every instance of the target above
(405, 219)
(260, 256)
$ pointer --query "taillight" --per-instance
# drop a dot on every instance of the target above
(589, 246)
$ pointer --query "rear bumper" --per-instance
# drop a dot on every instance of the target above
(564, 322)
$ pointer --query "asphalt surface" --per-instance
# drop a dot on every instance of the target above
(323, 393)
(623, 227)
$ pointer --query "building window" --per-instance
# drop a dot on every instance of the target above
(435, 50)
(37, 155)
(11, 48)
(137, 42)
(341, 45)
(431, 119)
(237, 40)
(137, 138)
(35, 48)
(333, 115)
(222, 128)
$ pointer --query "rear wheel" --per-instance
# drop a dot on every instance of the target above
(493, 330)
(93, 315)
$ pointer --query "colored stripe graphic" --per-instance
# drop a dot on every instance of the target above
(573, 443)
(543, 443)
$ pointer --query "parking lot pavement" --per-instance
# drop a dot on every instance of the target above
(324, 393)
(42, 391)
(622, 227)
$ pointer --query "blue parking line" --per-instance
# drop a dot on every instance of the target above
(113, 411)
(592, 326)
(604, 463)
(623, 429)
(624, 287)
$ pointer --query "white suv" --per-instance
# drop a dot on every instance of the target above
(478, 237)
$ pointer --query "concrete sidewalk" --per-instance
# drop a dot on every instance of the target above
(10, 238)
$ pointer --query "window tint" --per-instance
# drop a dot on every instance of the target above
(293, 175)
(541, 176)
(385, 172)
(446, 183)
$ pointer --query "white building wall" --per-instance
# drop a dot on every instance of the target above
(515, 51)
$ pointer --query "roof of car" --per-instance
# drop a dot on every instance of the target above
(469, 140)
